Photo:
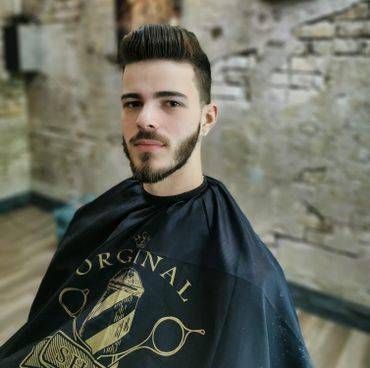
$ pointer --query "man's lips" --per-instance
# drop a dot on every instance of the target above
(148, 142)
(148, 145)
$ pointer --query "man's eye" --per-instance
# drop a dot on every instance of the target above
(172, 102)
(130, 104)
(133, 104)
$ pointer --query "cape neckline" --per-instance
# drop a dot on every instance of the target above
(176, 197)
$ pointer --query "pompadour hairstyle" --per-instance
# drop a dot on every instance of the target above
(164, 41)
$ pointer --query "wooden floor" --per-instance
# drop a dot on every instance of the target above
(28, 241)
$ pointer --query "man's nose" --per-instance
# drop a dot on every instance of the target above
(147, 119)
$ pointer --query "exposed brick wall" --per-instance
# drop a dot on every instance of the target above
(341, 34)
(14, 145)
(56, 11)
(74, 100)
(292, 139)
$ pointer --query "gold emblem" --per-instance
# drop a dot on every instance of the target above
(117, 304)
(142, 239)
(96, 344)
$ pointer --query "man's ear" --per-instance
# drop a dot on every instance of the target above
(210, 117)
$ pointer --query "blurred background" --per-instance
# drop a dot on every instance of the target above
(292, 143)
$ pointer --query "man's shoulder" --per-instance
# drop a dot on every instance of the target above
(259, 264)
(232, 230)
(111, 198)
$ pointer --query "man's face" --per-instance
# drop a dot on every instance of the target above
(150, 112)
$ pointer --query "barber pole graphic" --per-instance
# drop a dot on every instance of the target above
(111, 318)
(97, 343)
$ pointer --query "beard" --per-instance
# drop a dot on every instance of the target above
(145, 173)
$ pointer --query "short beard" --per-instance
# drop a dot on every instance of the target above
(145, 174)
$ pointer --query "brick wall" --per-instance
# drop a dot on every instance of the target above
(14, 147)
(292, 139)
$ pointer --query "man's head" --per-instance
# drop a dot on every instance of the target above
(166, 81)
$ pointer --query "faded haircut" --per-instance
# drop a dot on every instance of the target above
(164, 41)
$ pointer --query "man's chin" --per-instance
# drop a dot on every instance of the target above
(149, 176)
(144, 179)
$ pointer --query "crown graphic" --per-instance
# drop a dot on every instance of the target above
(141, 239)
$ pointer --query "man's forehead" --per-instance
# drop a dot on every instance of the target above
(162, 73)
(158, 64)
(158, 78)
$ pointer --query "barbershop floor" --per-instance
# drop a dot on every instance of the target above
(22, 267)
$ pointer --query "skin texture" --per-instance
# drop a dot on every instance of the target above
(178, 123)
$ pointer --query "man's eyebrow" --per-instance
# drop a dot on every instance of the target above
(156, 95)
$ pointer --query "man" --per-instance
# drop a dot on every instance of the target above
(163, 269)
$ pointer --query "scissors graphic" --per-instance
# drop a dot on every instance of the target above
(148, 343)
(184, 334)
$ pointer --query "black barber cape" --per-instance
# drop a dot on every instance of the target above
(144, 281)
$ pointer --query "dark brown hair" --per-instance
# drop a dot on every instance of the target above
(164, 41)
